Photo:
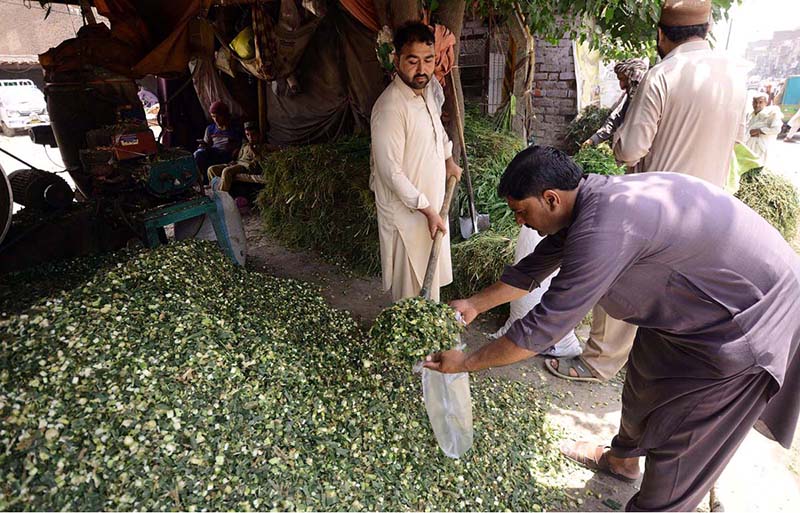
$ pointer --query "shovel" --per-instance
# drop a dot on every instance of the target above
(475, 222)
(433, 259)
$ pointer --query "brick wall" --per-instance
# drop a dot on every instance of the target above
(554, 92)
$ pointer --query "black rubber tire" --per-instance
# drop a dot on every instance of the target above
(6, 205)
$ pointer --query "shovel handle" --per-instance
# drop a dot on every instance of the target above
(433, 259)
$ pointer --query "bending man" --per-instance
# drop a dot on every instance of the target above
(712, 287)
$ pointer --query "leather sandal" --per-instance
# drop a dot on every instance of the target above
(564, 366)
(593, 457)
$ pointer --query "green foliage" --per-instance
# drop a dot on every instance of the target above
(479, 261)
(174, 380)
(318, 197)
(617, 28)
(599, 160)
(584, 126)
(774, 198)
(489, 151)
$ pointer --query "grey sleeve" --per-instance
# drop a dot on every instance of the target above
(529, 272)
(591, 263)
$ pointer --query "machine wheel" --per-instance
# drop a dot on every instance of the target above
(6, 205)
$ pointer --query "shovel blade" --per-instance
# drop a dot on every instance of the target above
(465, 223)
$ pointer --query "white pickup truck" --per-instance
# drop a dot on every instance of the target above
(22, 105)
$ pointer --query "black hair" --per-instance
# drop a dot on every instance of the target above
(537, 169)
(412, 32)
(680, 34)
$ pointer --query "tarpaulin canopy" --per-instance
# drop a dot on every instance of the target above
(147, 37)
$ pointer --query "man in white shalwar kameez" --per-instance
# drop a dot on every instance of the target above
(763, 126)
(410, 162)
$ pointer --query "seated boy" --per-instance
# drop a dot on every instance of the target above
(249, 160)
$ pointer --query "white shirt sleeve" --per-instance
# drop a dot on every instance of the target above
(388, 147)
(775, 123)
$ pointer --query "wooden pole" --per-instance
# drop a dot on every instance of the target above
(433, 259)
(263, 124)
(86, 11)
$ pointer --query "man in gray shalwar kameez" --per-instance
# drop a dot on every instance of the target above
(713, 288)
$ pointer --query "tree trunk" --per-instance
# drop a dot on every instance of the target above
(396, 12)
(523, 69)
(451, 15)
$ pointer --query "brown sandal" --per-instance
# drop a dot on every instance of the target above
(592, 457)
(564, 366)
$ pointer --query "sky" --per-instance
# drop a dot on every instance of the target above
(757, 19)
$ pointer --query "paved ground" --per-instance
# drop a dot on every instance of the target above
(762, 476)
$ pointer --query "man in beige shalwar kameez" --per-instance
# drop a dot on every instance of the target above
(685, 118)
(411, 158)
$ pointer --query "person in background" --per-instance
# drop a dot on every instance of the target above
(148, 99)
(251, 154)
(794, 126)
(687, 114)
(763, 126)
(220, 141)
(629, 73)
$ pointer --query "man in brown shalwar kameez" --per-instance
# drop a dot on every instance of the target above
(714, 291)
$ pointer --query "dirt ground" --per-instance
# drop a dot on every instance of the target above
(761, 477)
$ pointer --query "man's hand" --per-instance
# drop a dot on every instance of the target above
(447, 362)
(755, 132)
(435, 222)
(452, 169)
(467, 310)
(587, 143)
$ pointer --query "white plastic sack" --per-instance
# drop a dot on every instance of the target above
(202, 228)
(569, 345)
(449, 406)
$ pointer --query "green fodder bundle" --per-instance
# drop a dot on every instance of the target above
(489, 151)
(318, 197)
(174, 380)
(773, 197)
(588, 121)
(599, 160)
(479, 261)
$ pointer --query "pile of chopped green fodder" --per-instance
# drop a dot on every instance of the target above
(479, 261)
(584, 126)
(415, 327)
(175, 380)
(599, 160)
(489, 151)
(773, 197)
(318, 197)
